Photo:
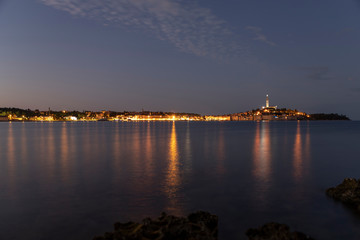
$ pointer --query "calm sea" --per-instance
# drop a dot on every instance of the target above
(66, 180)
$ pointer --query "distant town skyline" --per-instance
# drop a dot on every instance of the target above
(266, 105)
(206, 57)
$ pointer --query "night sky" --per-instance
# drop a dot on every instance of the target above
(205, 56)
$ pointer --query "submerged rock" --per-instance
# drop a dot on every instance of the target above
(275, 231)
(197, 226)
(348, 192)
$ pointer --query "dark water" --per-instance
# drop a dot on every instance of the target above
(74, 180)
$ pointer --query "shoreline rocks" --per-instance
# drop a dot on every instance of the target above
(275, 231)
(197, 226)
(204, 226)
(348, 192)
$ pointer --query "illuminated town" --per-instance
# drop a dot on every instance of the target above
(266, 113)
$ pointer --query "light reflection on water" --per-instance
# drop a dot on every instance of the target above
(173, 180)
(23, 145)
(11, 161)
(262, 152)
(64, 154)
(85, 176)
(148, 161)
(301, 152)
(298, 158)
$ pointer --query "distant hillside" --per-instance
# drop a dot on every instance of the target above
(328, 116)
(16, 111)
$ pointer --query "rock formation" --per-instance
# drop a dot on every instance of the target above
(348, 192)
(275, 231)
(197, 226)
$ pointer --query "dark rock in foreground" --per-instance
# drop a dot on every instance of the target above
(348, 192)
(275, 231)
(197, 226)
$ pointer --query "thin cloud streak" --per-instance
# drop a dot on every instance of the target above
(259, 35)
(189, 27)
(318, 73)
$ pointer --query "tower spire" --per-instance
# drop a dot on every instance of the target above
(267, 101)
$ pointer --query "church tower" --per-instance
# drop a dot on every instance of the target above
(267, 101)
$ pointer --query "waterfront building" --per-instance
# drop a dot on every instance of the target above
(4, 118)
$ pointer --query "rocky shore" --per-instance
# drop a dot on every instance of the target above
(197, 226)
(275, 231)
(348, 192)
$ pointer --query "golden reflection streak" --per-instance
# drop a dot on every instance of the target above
(298, 164)
(11, 158)
(51, 149)
(148, 151)
(307, 144)
(173, 178)
(65, 152)
(116, 147)
(262, 152)
(88, 145)
(116, 162)
(23, 144)
(43, 142)
(138, 167)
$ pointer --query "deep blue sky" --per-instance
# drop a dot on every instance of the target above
(202, 56)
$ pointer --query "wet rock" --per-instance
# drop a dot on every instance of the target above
(348, 192)
(197, 226)
(275, 231)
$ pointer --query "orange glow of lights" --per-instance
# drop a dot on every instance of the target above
(173, 177)
(298, 153)
(262, 150)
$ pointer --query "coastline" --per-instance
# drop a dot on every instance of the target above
(170, 120)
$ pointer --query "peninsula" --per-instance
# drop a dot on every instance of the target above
(267, 112)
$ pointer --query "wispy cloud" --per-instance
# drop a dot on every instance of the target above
(259, 35)
(318, 73)
(186, 25)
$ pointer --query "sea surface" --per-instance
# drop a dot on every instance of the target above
(68, 180)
